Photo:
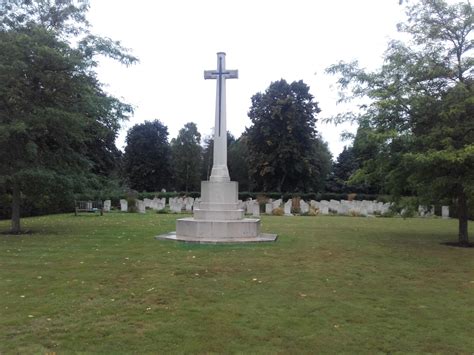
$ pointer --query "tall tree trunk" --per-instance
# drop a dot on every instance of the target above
(16, 199)
(463, 217)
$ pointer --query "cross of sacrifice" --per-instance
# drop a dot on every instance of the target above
(221, 74)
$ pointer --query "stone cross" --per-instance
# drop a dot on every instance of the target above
(219, 171)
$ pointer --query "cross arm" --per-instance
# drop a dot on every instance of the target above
(231, 74)
(210, 74)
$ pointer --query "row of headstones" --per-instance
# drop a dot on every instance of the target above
(324, 207)
(176, 204)
(428, 211)
(343, 207)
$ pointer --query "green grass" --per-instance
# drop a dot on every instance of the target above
(329, 284)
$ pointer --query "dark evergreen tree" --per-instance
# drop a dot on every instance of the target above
(237, 162)
(282, 138)
(148, 157)
(187, 159)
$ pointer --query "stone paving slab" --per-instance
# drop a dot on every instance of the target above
(262, 238)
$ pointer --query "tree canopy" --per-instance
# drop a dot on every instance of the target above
(186, 152)
(421, 108)
(237, 162)
(282, 141)
(148, 156)
(57, 124)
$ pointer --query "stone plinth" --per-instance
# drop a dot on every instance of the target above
(218, 219)
(218, 229)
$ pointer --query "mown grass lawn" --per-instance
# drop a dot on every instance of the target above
(329, 284)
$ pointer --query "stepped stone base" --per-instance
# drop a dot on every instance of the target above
(218, 219)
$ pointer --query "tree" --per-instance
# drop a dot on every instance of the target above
(422, 108)
(147, 161)
(186, 151)
(57, 125)
(238, 163)
(282, 138)
(321, 162)
(342, 169)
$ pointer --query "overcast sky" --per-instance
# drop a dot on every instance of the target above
(266, 40)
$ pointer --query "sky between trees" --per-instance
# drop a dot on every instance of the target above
(265, 40)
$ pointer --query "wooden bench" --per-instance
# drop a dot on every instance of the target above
(89, 206)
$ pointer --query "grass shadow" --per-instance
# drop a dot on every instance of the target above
(458, 244)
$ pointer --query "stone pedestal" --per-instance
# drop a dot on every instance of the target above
(218, 219)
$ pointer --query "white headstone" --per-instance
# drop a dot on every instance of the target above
(334, 206)
(249, 206)
(189, 202)
(445, 211)
(287, 208)
(107, 204)
(277, 203)
(304, 207)
(256, 209)
(124, 205)
(147, 202)
(140, 206)
(176, 206)
(268, 208)
(384, 207)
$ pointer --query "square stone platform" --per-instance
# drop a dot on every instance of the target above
(262, 238)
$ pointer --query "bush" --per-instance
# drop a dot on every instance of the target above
(313, 211)
(295, 210)
(354, 214)
(388, 214)
(132, 201)
(278, 211)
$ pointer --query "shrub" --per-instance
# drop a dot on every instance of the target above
(354, 214)
(408, 212)
(388, 214)
(278, 211)
(313, 211)
(132, 201)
